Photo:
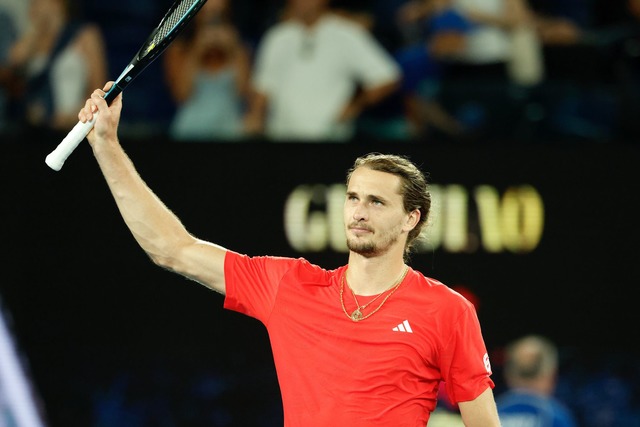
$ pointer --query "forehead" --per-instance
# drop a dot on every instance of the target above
(367, 181)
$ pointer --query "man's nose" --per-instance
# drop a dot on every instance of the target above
(360, 212)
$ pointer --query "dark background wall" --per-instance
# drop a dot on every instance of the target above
(113, 340)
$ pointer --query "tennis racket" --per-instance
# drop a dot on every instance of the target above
(176, 18)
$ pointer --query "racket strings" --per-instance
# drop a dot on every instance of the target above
(178, 14)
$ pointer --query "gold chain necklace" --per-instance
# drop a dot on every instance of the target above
(357, 315)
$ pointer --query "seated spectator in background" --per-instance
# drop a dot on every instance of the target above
(495, 37)
(509, 36)
(530, 373)
(488, 47)
(315, 73)
(475, 86)
(60, 61)
(491, 81)
(208, 72)
(423, 62)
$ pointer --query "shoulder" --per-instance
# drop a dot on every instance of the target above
(290, 271)
(344, 28)
(341, 23)
(281, 30)
(278, 38)
(435, 289)
(241, 258)
(300, 267)
(303, 266)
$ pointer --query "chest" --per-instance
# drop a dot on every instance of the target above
(314, 52)
(309, 323)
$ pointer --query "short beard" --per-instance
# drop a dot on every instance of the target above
(369, 249)
(366, 249)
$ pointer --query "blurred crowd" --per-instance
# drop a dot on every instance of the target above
(339, 71)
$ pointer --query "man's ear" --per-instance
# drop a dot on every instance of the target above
(412, 220)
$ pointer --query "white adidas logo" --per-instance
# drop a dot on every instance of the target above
(403, 327)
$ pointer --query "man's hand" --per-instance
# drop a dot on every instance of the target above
(106, 126)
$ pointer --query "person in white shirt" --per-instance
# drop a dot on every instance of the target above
(59, 57)
(315, 72)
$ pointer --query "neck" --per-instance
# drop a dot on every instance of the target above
(371, 276)
(310, 18)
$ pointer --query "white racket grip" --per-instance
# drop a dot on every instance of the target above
(57, 157)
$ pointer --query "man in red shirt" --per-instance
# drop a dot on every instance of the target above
(362, 345)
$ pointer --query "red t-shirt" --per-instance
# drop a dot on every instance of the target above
(381, 371)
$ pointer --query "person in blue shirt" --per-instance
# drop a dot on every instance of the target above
(424, 62)
(530, 374)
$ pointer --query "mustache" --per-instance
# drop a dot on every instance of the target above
(360, 226)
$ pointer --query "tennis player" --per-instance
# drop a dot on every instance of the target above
(366, 344)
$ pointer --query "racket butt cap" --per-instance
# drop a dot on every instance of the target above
(53, 163)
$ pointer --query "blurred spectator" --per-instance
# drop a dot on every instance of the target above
(60, 61)
(464, 90)
(530, 373)
(506, 36)
(208, 72)
(488, 44)
(502, 43)
(439, 35)
(315, 73)
(493, 84)
(8, 35)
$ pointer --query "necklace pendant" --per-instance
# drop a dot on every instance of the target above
(356, 315)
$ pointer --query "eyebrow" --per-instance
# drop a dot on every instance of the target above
(368, 196)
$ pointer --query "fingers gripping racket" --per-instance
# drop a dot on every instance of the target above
(180, 13)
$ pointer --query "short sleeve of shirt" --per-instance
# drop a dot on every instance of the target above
(252, 283)
(465, 363)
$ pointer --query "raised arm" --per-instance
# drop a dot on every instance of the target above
(156, 229)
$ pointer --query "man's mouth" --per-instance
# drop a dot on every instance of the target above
(359, 229)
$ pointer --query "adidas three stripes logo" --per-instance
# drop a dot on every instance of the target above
(403, 327)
